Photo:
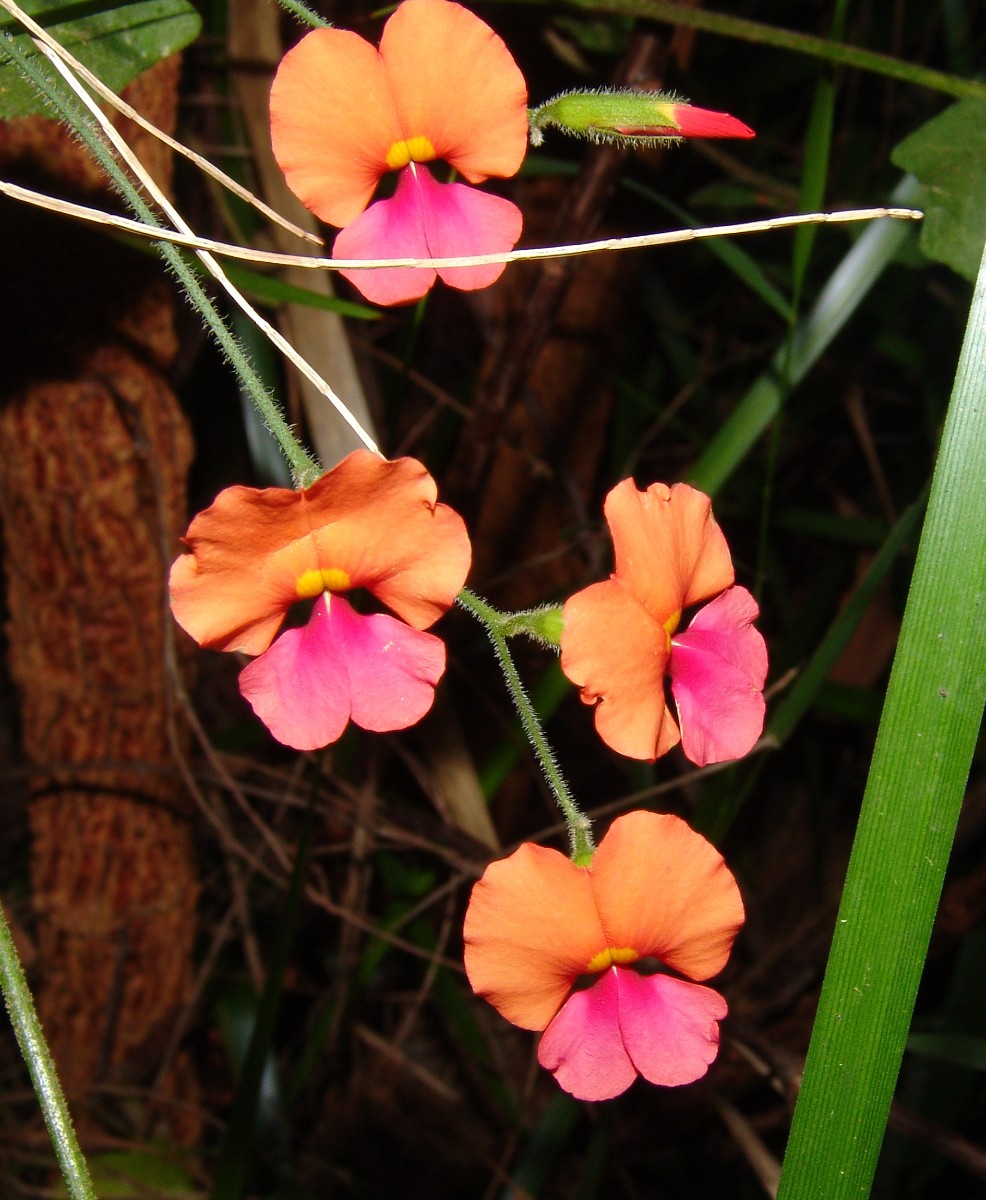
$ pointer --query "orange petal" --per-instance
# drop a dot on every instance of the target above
(225, 593)
(379, 522)
(664, 890)
(373, 520)
(617, 653)
(670, 552)
(530, 929)
(332, 122)
(455, 82)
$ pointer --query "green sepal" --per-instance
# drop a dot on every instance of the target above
(601, 114)
(542, 625)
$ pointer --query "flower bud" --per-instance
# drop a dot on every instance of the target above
(631, 118)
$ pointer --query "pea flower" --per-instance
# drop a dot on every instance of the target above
(367, 523)
(620, 637)
(343, 114)
(537, 923)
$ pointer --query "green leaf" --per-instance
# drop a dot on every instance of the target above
(948, 154)
(116, 42)
(910, 809)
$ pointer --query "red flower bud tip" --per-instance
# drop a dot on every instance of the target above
(701, 122)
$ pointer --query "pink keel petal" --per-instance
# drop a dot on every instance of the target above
(670, 1027)
(461, 220)
(389, 229)
(427, 219)
(376, 669)
(392, 669)
(299, 687)
(583, 1045)
(718, 667)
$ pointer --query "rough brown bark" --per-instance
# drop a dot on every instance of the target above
(94, 453)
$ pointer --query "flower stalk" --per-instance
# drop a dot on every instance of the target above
(496, 625)
(44, 1077)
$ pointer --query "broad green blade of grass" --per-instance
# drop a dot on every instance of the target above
(910, 809)
(840, 298)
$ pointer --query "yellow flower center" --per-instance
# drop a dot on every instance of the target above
(670, 625)
(326, 579)
(610, 957)
(415, 149)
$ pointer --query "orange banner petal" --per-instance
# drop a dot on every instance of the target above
(530, 929)
(373, 522)
(455, 83)
(617, 653)
(333, 121)
(379, 522)
(663, 889)
(669, 551)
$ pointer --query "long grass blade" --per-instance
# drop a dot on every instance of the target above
(924, 748)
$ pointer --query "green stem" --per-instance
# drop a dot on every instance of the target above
(579, 826)
(306, 15)
(676, 13)
(303, 467)
(30, 1037)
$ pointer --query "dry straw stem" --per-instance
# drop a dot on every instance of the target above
(41, 35)
(214, 268)
(571, 250)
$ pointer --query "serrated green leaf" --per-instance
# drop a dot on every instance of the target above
(116, 42)
(948, 155)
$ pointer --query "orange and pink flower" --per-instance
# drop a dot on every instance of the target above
(656, 894)
(442, 85)
(367, 523)
(621, 637)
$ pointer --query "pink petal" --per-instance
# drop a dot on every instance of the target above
(427, 219)
(718, 667)
(670, 1028)
(626, 1024)
(342, 664)
(583, 1045)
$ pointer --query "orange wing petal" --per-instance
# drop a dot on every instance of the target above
(617, 653)
(332, 121)
(455, 82)
(248, 549)
(530, 929)
(670, 552)
(664, 890)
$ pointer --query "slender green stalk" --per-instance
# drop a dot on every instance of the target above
(306, 15)
(303, 467)
(579, 826)
(30, 1037)
(913, 796)
(676, 13)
